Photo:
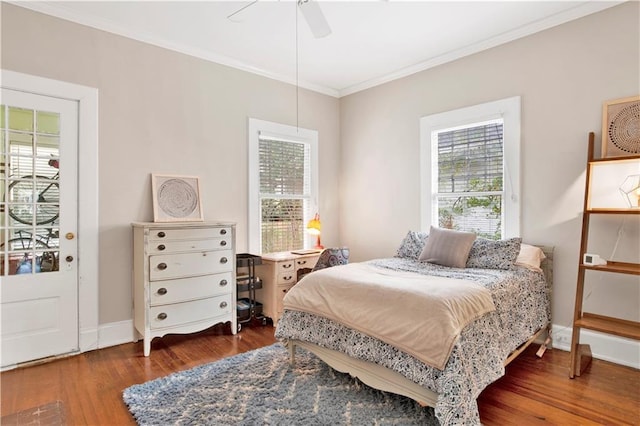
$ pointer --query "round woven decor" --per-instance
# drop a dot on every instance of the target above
(177, 198)
(624, 129)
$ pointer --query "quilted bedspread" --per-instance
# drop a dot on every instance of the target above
(522, 302)
(387, 300)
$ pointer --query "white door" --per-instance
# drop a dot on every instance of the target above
(38, 266)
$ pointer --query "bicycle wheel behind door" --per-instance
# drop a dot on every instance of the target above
(46, 208)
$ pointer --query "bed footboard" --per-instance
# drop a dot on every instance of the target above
(369, 373)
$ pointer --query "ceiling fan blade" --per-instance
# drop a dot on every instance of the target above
(234, 17)
(315, 18)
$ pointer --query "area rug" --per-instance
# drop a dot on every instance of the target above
(262, 388)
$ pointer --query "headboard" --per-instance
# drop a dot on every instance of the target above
(547, 264)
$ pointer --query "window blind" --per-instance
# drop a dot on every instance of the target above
(285, 191)
(470, 178)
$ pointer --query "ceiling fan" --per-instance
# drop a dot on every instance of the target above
(312, 14)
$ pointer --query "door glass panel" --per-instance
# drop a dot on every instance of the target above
(48, 122)
(48, 146)
(30, 193)
(20, 144)
(21, 119)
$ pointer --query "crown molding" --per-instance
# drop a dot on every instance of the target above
(57, 10)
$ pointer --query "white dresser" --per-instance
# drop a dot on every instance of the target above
(184, 278)
(279, 272)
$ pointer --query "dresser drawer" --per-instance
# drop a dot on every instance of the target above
(164, 267)
(180, 290)
(280, 293)
(306, 262)
(287, 278)
(172, 246)
(188, 233)
(196, 310)
(285, 266)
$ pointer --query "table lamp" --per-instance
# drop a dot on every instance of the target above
(313, 228)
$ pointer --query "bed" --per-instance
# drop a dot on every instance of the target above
(481, 348)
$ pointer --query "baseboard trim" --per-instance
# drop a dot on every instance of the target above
(603, 346)
(115, 333)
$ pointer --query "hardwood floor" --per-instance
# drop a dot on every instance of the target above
(534, 391)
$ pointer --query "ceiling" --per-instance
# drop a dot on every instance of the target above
(371, 42)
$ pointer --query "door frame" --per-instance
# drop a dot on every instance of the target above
(88, 248)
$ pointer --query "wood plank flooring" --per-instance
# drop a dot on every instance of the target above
(534, 391)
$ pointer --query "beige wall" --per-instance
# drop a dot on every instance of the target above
(165, 112)
(563, 75)
(161, 111)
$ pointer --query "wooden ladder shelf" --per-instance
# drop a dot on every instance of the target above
(581, 354)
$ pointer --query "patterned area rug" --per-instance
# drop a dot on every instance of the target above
(262, 388)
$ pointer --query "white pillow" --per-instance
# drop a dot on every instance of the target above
(530, 257)
(447, 247)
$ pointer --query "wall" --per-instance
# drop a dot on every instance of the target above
(165, 112)
(563, 75)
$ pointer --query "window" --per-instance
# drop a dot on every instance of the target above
(282, 185)
(470, 163)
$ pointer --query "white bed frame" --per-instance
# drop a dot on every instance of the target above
(384, 379)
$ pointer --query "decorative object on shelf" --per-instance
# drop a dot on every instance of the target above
(593, 260)
(630, 190)
(610, 180)
(314, 227)
(621, 127)
(176, 198)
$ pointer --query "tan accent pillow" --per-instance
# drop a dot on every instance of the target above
(447, 247)
(530, 257)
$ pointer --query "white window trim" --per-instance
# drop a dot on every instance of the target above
(509, 110)
(283, 132)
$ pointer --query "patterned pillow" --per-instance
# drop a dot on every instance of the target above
(447, 247)
(412, 245)
(332, 257)
(491, 254)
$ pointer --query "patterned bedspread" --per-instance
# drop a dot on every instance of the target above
(522, 304)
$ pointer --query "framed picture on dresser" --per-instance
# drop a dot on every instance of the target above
(176, 198)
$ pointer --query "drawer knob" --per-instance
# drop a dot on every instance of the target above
(223, 243)
(162, 316)
(223, 260)
(223, 305)
(287, 266)
(287, 278)
(223, 283)
(161, 234)
(302, 262)
(223, 232)
(162, 291)
(161, 247)
(162, 266)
